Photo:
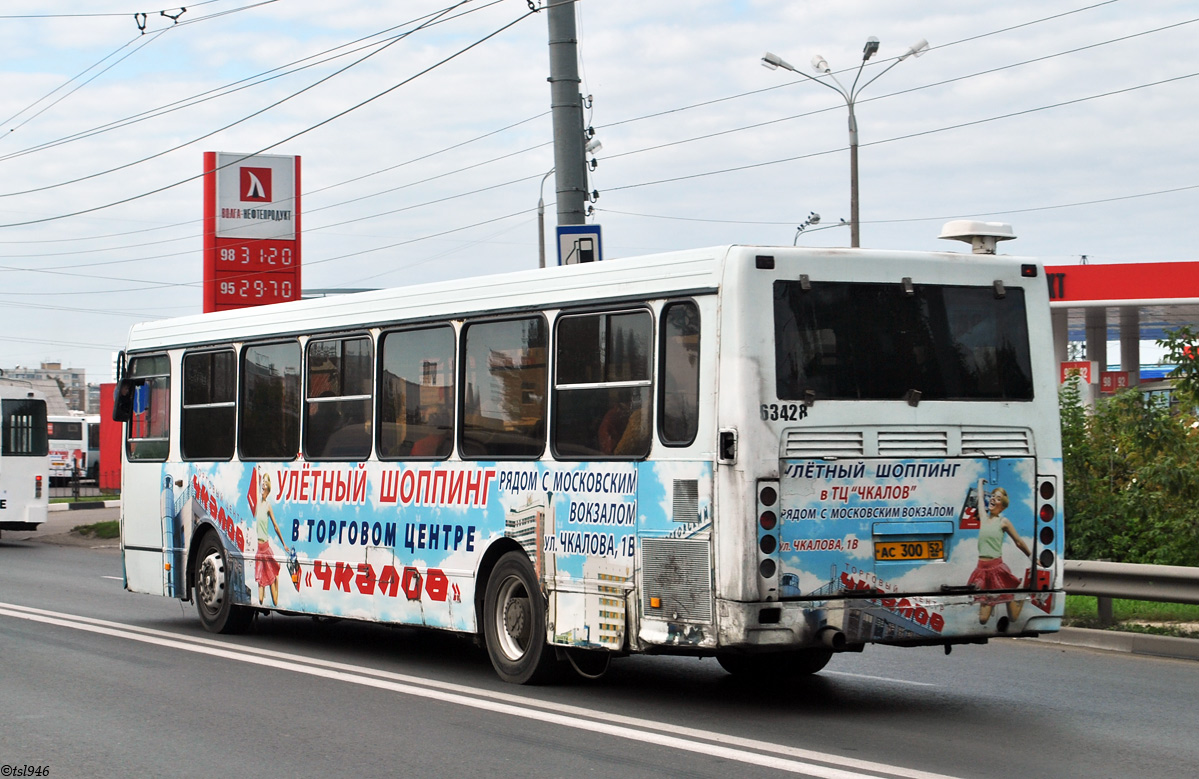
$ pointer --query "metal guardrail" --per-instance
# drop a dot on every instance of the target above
(1163, 583)
(1131, 581)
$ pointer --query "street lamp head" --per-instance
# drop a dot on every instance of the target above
(820, 64)
(871, 47)
(774, 61)
(915, 50)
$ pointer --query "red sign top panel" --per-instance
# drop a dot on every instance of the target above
(1132, 282)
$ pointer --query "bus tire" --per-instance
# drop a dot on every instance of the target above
(214, 597)
(775, 665)
(514, 622)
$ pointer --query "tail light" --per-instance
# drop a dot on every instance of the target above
(37, 486)
(1047, 534)
(767, 532)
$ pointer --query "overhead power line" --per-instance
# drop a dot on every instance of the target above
(943, 82)
(97, 15)
(805, 82)
(241, 120)
(281, 141)
(906, 220)
(225, 90)
(907, 136)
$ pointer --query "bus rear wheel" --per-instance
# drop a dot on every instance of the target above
(514, 623)
(776, 665)
(213, 594)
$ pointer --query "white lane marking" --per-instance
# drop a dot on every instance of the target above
(878, 678)
(114, 578)
(505, 703)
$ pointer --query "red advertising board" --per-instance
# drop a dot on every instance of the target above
(1113, 381)
(1082, 368)
(1145, 282)
(251, 230)
(110, 442)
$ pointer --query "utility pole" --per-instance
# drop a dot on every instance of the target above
(566, 105)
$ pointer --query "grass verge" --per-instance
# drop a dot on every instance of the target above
(1168, 619)
(85, 499)
(109, 529)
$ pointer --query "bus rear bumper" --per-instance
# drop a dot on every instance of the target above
(848, 624)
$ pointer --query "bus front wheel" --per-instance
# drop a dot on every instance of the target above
(775, 665)
(213, 593)
(514, 622)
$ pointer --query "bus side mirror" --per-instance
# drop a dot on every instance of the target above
(122, 400)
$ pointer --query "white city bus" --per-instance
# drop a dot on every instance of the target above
(763, 454)
(74, 446)
(23, 458)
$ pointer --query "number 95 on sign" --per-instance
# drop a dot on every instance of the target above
(257, 289)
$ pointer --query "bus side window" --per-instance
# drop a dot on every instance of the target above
(339, 407)
(270, 402)
(416, 394)
(678, 400)
(603, 386)
(503, 389)
(149, 427)
(209, 405)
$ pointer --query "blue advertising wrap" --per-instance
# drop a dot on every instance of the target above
(901, 530)
(401, 542)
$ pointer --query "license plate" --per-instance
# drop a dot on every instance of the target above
(909, 550)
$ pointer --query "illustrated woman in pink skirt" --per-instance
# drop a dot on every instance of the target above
(992, 573)
(266, 567)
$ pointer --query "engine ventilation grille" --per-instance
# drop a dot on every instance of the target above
(686, 500)
(679, 573)
(823, 443)
(1003, 442)
(922, 443)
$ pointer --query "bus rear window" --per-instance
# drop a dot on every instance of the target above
(65, 431)
(23, 428)
(871, 341)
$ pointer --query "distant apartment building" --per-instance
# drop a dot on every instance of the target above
(72, 382)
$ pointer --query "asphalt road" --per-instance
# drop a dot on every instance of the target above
(95, 681)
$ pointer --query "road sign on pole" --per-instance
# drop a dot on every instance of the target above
(579, 243)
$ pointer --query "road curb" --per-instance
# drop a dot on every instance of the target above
(91, 504)
(1123, 641)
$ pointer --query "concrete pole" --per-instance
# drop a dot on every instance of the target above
(1060, 318)
(854, 224)
(1097, 343)
(566, 107)
(1130, 343)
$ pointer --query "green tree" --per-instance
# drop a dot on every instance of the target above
(1182, 350)
(1132, 485)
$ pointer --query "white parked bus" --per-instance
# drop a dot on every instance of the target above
(23, 462)
(763, 454)
(74, 446)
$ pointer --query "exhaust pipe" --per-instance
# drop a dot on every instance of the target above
(833, 638)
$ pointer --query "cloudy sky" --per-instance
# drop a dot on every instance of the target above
(1073, 121)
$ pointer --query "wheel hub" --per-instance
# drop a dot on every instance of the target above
(516, 618)
(210, 581)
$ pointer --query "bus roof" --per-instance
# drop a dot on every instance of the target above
(10, 390)
(689, 272)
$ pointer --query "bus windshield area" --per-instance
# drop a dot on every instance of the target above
(881, 341)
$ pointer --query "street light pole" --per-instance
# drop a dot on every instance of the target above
(850, 97)
(541, 217)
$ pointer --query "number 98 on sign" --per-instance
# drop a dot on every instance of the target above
(257, 256)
